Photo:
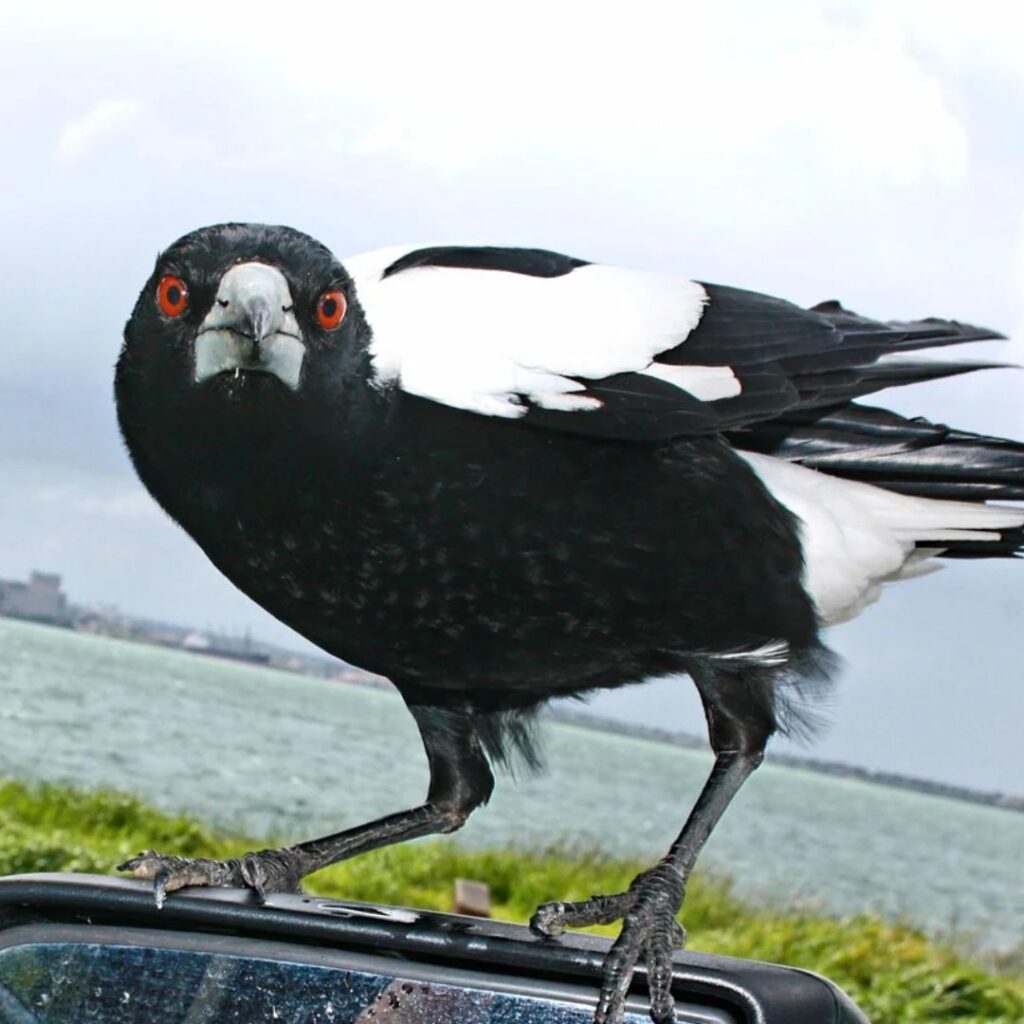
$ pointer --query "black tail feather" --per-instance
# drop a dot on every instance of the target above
(866, 357)
(1009, 545)
(903, 335)
(912, 456)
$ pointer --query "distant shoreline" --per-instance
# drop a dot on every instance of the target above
(836, 769)
(260, 654)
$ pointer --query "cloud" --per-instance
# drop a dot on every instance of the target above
(454, 85)
(986, 36)
(680, 84)
(78, 494)
(107, 120)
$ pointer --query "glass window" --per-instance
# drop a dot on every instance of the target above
(82, 983)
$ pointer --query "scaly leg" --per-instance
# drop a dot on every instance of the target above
(460, 781)
(739, 730)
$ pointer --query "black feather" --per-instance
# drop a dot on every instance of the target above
(534, 262)
(742, 328)
(880, 447)
(634, 407)
(787, 360)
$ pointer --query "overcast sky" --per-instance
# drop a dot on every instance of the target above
(867, 152)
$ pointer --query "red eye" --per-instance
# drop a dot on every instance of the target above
(172, 295)
(330, 310)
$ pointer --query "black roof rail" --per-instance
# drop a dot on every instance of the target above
(446, 948)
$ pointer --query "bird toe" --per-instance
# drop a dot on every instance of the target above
(616, 974)
(659, 971)
(169, 873)
(548, 920)
(270, 871)
(551, 919)
(649, 931)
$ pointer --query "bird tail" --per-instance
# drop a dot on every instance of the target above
(828, 431)
(869, 355)
(958, 470)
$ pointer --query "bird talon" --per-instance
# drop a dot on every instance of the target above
(659, 971)
(254, 875)
(160, 880)
(548, 920)
(169, 873)
(649, 929)
(617, 973)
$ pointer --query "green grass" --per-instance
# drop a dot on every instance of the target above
(893, 971)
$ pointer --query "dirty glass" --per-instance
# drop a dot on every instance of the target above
(81, 983)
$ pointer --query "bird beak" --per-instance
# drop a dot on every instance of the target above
(251, 327)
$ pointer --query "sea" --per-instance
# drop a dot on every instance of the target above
(271, 753)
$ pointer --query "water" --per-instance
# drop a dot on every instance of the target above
(273, 753)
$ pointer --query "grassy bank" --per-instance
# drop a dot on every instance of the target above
(895, 973)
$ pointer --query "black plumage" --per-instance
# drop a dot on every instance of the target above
(535, 262)
(490, 546)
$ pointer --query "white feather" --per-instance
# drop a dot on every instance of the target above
(774, 652)
(856, 537)
(708, 383)
(478, 339)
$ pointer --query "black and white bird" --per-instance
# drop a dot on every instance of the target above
(501, 475)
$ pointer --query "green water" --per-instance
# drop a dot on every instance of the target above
(269, 752)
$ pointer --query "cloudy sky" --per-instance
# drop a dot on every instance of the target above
(868, 152)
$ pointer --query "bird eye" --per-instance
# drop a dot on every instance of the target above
(330, 310)
(172, 295)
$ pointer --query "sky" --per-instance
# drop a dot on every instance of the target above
(869, 152)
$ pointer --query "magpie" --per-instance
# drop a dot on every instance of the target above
(501, 475)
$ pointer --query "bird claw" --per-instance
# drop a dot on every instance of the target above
(649, 929)
(551, 919)
(548, 920)
(160, 880)
(265, 872)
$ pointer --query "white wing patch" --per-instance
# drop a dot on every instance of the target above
(481, 339)
(708, 383)
(856, 537)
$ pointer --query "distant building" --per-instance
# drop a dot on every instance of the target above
(40, 599)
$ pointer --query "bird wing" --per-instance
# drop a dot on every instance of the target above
(600, 350)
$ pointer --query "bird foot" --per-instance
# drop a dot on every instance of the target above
(265, 871)
(649, 928)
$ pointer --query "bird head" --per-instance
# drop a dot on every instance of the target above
(235, 308)
(244, 338)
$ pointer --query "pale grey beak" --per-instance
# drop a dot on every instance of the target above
(251, 327)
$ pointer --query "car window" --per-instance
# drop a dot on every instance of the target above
(84, 983)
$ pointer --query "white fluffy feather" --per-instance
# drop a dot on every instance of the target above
(478, 339)
(856, 537)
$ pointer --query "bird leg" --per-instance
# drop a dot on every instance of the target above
(649, 906)
(460, 781)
